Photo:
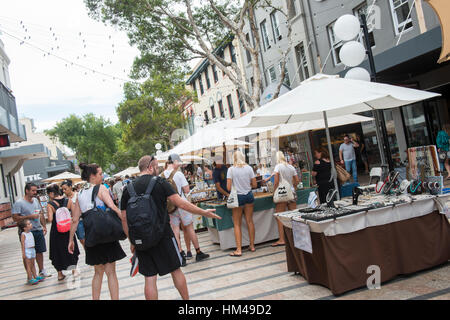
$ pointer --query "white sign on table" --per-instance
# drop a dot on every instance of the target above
(302, 236)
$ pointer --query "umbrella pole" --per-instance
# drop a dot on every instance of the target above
(330, 150)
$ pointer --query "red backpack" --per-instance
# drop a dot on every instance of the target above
(63, 219)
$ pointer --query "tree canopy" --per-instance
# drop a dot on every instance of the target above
(93, 139)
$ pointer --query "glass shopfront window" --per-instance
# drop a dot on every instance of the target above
(392, 137)
(415, 125)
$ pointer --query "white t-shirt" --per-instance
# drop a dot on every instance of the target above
(241, 178)
(180, 181)
(199, 172)
(29, 240)
(287, 171)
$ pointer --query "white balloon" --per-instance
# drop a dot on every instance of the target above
(158, 146)
(347, 27)
(358, 74)
(352, 53)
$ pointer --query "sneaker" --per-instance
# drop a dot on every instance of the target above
(189, 255)
(134, 265)
(183, 259)
(33, 281)
(44, 274)
(39, 278)
(201, 256)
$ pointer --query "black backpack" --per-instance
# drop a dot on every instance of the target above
(145, 224)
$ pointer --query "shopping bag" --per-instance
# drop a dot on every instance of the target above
(342, 174)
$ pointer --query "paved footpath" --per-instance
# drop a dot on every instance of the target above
(256, 275)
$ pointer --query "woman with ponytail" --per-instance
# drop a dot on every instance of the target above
(102, 256)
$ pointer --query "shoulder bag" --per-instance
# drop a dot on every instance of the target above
(284, 192)
(101, 226)
(232, 201)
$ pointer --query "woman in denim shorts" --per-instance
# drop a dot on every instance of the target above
(242, 178)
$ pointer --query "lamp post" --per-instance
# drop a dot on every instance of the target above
(379, 118)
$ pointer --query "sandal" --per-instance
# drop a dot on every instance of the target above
(61, 279)
(278, 244)
(234, 254)
(251, 249)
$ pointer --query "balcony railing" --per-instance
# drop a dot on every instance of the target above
(8, 113)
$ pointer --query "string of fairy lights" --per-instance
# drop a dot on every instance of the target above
(74, 49)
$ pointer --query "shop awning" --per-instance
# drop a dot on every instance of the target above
(442, 9)
(130, 171)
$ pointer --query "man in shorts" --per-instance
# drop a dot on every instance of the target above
(30, 208)
(180, 215)
(165, 257)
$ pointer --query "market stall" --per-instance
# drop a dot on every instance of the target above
(400, 234)
(221, 231)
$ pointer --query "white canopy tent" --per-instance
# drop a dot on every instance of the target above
(130, 171)
(64, 176)
(323, 96)
(186, 158)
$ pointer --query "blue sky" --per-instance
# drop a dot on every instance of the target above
(48, 89)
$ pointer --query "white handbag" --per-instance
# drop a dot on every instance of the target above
(284, 192)
(232, 201)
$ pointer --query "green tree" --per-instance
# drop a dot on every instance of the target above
(93, 139)
(149, 114)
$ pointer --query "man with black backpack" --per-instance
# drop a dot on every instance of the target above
(146, 224)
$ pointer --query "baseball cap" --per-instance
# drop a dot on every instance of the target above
(175, 157)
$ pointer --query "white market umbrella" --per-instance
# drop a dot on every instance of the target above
(130, 171)
(323, 96)
(64, 176)
(185, 158)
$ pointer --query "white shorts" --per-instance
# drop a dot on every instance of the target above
(30, 253)
(181, 215)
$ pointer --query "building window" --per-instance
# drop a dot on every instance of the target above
(206, 117)
(264, 35)
(215, 75)
(272, 74)
(201, 84)
(249, 57)
(292, 8)
(15, 185)
(208, 83)
(230, 106)
(241, 102)
(400, 11)
(302, 62)
(275, 26)
(252, 83)
(335, 44)
(222, 113)
(358, 11)
(286, 81)
(233, 53)
(194, 87)
(213, 112)
(5, 189)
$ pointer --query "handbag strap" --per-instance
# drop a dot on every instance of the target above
(94, 194)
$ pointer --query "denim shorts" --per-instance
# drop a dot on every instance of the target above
(30, 253)
(39, 241)
(244, 199)
(80, 230)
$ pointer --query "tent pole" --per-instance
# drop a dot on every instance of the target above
(330, 150)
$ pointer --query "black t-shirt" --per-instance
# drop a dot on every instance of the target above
(161, 191)
(323, 170)
(220, 176)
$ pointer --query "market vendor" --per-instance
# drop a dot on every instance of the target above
(220, 177)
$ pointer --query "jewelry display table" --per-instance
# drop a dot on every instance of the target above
(222, 231)
(400, 239)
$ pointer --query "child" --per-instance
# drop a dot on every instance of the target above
(28, 251)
